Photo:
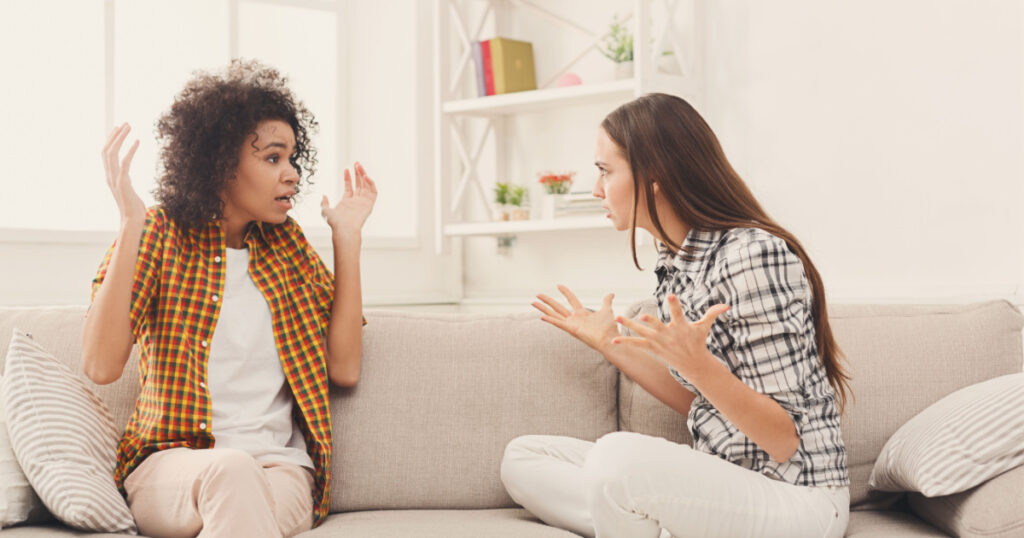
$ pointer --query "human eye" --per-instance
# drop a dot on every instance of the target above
(273, 158)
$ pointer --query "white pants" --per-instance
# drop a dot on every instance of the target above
(633, 485)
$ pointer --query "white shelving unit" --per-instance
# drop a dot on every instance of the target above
(456, 167)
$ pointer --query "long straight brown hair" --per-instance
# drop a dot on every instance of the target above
(666, 141)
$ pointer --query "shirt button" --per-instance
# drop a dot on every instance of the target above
(202, 425)
(203, 343)
(202, 385)
(216, 259)
(215, 298)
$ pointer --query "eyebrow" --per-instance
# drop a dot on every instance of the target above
(274, 145)
(600, 163)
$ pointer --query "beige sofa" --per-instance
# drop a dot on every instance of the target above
(417, 443)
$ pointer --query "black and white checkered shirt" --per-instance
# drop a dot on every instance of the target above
(767, 339)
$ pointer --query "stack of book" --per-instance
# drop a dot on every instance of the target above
(503, 66)
(579, 203)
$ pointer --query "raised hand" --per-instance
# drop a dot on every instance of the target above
(681, 344)
(129, 204)
(596, 329)
(355, 206)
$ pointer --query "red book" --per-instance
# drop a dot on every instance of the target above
(485, 53)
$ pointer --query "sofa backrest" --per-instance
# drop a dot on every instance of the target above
(902, 359)
(439, 398)
(441, 395)
(59, 331)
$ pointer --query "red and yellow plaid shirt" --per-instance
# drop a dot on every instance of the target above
(179, 280)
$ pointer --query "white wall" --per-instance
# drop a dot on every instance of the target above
(887, 136)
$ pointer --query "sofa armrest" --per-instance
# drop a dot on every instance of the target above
(994, 509)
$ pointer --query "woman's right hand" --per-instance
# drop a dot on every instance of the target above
(131, 207)
(596, 329)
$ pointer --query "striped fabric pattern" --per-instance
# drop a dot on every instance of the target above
(64, 437)
(960, 441)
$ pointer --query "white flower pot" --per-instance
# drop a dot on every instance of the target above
(624, 70)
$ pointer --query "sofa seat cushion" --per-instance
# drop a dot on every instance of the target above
(497, 523)
(888, 524)
(55, 530)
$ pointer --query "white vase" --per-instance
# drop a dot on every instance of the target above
(550, 204)
(624, 70)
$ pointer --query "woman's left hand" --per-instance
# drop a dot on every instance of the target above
(681, 344)
(352, 211)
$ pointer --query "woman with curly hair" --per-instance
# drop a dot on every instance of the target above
(238, 322)
(741, 346)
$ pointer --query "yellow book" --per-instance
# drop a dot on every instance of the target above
(512, 65)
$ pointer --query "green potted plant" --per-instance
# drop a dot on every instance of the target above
(517, 199)
(618, 47)
(501, 202)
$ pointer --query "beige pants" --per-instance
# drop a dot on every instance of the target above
(218, 492)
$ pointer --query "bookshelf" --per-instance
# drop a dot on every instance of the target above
(458, 150)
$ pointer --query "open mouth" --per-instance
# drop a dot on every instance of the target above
(285, 201)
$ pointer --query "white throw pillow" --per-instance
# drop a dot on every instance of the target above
(18, 501)
(64, 438)
(958, 442)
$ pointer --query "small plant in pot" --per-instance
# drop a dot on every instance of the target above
(618, 47)
(501, 194)
(516, 200)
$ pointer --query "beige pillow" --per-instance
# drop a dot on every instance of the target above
(994, 509)
(64, 438)
(958, 442)
(18, 501)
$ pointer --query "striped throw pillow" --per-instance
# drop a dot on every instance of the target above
(18, 501)
(958, 442)
(64, 438)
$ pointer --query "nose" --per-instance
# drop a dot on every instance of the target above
(598, 191)
(290, 176)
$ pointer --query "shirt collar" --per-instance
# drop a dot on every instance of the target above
(693, 257)
(255, 231)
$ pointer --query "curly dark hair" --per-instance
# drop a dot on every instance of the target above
(206, 126)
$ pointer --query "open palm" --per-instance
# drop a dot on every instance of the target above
(592, 328)
(355, 206)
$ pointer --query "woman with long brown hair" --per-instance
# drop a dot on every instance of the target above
(742, 347)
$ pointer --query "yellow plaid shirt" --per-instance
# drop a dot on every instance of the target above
(179, 279)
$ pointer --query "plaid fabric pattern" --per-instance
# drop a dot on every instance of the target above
(179, 280)
(767, 339)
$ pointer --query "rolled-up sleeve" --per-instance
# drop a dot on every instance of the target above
(147, 271)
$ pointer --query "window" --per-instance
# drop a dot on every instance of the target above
(96, 63)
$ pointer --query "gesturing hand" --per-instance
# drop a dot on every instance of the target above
(128, 202)
(681, 344)
(592, 328)
(355, 206)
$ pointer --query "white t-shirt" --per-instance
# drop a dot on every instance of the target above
(249, 394)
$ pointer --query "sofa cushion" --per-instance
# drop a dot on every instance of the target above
(64, 438)
(889, 524)
(499, 523)
(18, 501)
(904, 358)
(59, 331)
(994, 509)
(957, 442)
(441, 395)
